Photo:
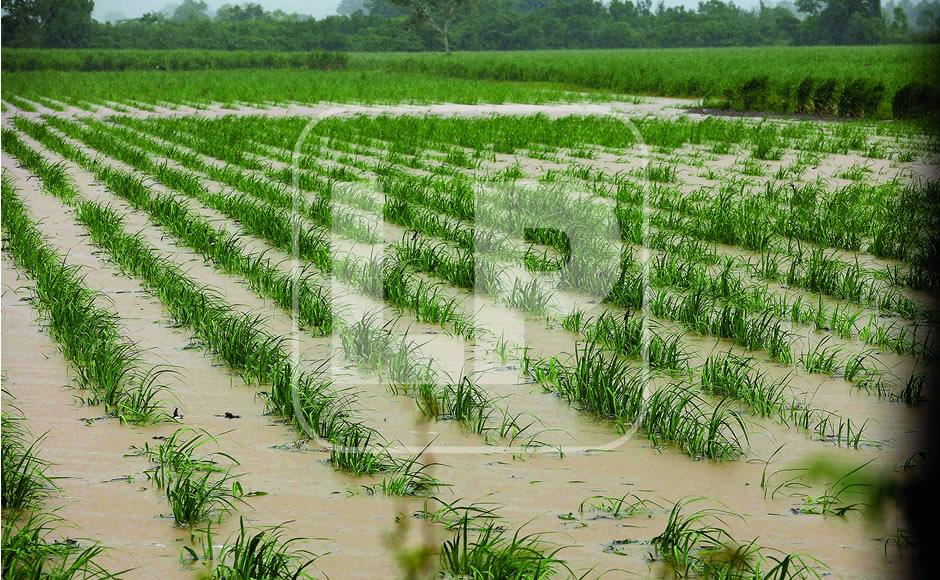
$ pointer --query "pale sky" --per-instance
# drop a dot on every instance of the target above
(316, 8)
(135, 8)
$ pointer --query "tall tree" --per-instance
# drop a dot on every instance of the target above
(236, 13)
(438, 14)
(191, 10)
(350, 7)
(899, 24)
(51, 23)
(845, 21)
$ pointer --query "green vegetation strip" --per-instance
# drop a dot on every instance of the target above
(173, 60)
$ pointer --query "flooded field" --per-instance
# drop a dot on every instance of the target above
(595, 340)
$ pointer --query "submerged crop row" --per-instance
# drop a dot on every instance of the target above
(107, 364)
(840, 318)
(798, 311)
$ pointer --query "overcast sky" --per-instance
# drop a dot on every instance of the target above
(135, 8)
(105, 9)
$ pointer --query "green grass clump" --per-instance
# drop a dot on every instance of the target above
(28, 552)
(483, 548)
(263, 554)
(197, 487)
(697, 544)
(25, 482)
(736, 377)
(626, 335)
(603, 383)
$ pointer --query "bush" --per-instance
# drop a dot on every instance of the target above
(752, 95)
(914, 100)
(825, 97)
(861, 97)
(804, 96)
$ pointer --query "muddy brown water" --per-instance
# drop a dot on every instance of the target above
(540, 491)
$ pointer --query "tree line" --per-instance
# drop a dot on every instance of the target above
(423, 25)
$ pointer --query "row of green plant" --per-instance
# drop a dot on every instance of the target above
(200, 488)
(353, 448)
(633, 337)
(840, 318)
(736, 377)
(237, 338)
(600, 382)
(106, 363)
(371, 344)
(380, 277)
(480, 546)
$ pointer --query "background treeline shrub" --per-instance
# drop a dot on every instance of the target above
(915, 99)
(114, 60)
(854, 97)
(486, 25)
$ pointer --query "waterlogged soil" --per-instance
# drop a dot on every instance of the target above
(540, 489)
(647, 105)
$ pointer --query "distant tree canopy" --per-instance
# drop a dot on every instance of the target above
(844, 21)
(419, 25)
(50, 23)
(349, 7)
(438, 14)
